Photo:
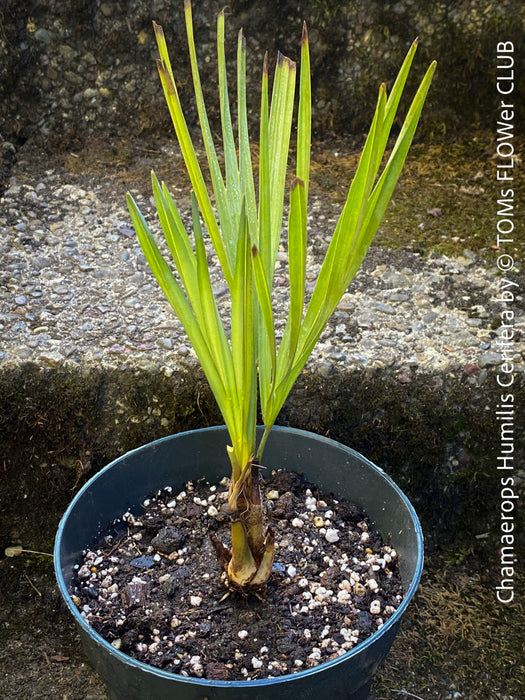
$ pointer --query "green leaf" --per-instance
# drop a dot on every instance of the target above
(262, 271)
(233, 187)
(227, 223)
(267, 350)
(208, 316)
(304, 125)
(243, 346)
(245, 158)
(182, 308)
(279, 129)
(246, 233)
(297, 271)
(354, 232)
(177, 238)
(327, 291)
(395, 94)
(388, 180)
(188, 153)
(263, 241)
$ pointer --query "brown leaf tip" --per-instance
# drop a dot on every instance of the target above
(265, 64)
(305, 33)
(281, 59)
(242, 40)
(159, 32)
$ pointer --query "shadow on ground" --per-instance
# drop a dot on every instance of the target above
(455, 641)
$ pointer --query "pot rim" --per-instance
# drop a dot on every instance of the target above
(290, 677)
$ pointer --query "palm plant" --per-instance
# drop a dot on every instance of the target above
(245, 229)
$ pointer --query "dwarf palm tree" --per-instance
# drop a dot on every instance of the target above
(245, 230)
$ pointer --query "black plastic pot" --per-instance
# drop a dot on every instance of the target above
(123, 485)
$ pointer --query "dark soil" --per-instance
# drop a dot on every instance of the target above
(152, 587)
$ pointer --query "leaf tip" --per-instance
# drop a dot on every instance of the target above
(431, 70)
(282, 59)
(265, 64)
(157, 28)
(242, 40)
(305, 33)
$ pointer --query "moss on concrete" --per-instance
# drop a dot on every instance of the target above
(445, 201)
(60, 425)
(456, 640)
(437, 437)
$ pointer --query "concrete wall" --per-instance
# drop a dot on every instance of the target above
(72, 68)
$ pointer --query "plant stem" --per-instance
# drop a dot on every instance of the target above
(262, 444)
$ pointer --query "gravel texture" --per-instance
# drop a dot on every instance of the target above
(75, 290)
